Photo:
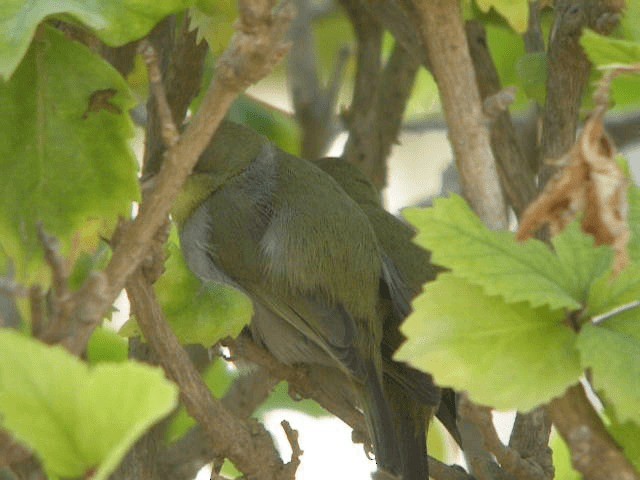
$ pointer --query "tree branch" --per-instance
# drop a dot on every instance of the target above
(593, 452)
(255, 48)
(380, 97)
(314, 105)
(568, 73)
(518, 180)
(443, 32)
(183, 459)
(510, 460)
(530, 438)
(246, 443)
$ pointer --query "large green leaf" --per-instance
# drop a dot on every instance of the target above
(116, 22)
(508, 356)
(583, 262)
(197, 312)
(77, 419)
(64, 148)
(612, 351)
(494, 260)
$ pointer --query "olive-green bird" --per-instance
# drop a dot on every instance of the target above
(283, 231)
(411, 393)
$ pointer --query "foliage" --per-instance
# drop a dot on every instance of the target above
(512, 324)
(77, 419)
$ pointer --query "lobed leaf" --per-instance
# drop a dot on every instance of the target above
(493, 260)
(508, 356)
(115, 22)
(612, 351)
(65, 153)
(77, 419)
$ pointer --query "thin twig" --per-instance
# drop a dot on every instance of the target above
(169, 130)
(292, 438)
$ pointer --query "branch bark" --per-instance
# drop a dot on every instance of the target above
(314, 105)
(516, 176)
(443, 32)
(246, 443)
(593, 452)
(568, 73)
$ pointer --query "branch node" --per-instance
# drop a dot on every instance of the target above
(498, 103)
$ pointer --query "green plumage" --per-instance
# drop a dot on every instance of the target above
(283, 231)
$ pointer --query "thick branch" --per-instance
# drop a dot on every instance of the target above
(246, 443)
(183, 459)
(361, 147)
(509, 459)
(518, 180)
(530, 438)
(569, 68)
(443, 33)
(380, 98)
(314, 105)
(593, 452)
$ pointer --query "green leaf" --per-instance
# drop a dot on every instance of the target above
(634, 223)
(493, 260)
(105, 345)
(508, 356)
(562, 460)
(197, 312)
(516, 12)
(603, 50)
(608, 293)
(629, 24)
(214, 21)
(65, 158)
(612, 351)
(532, 74)
(115, 22)
(583, 262)
(627, 435)
(77, 419)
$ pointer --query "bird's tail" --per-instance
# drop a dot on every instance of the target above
(411, 419)
(380, 424)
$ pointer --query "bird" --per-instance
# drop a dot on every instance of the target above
(412, 394)
(283, 231)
